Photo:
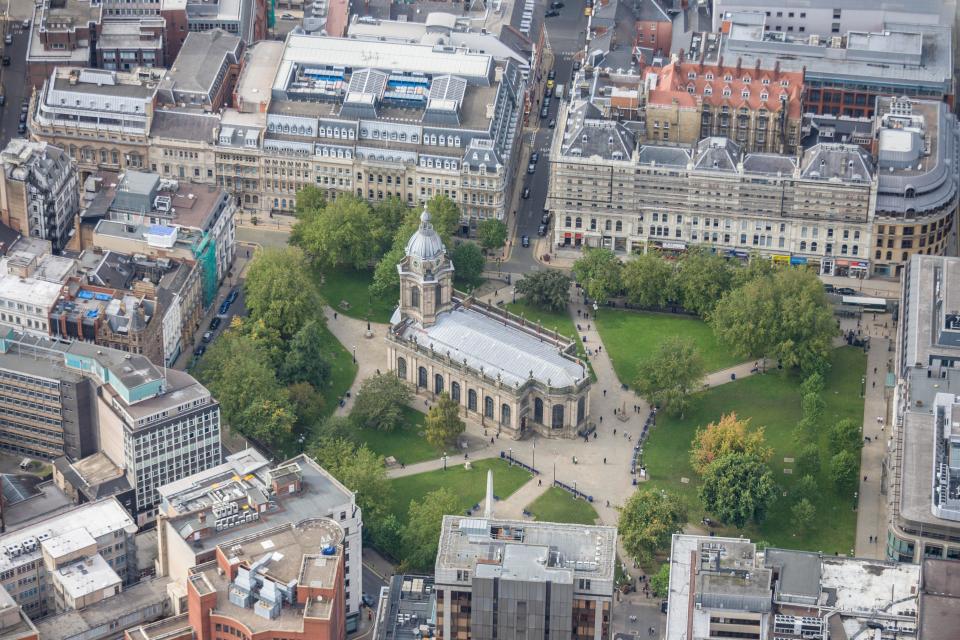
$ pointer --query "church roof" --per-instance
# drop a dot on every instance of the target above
(483, 341)
(425, 244)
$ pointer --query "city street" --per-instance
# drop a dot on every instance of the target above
(12, 78)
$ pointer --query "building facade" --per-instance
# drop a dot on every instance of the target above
(508, 579)
(39, 193)
(920, 477)
(508, 374)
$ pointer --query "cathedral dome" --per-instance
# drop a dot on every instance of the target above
(425, 244)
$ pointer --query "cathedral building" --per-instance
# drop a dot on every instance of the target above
(514, 377)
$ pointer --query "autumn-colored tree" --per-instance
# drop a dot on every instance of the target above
(727, 435)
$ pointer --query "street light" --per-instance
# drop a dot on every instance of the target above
(444, 460)
(354, 354)
(511, 456)
(514, 292)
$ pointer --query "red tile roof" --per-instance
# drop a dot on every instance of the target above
(735, 87)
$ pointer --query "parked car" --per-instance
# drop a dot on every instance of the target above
(224, 307)
(524, 241)
(215, 323)
(207, 337)
(553, 123)
(551, 13)
(526, 192)
(548, 93)
(532, 168)
(232, 296)
(3, 100)
(545, 219)
(288, 16)
(26, 23)
(846, 291)
(544, 112)
(576, 65)
(23, 118)
(828, 288)
(6, 61)
(551, 75)
(368, 600)
(8, 39)
(542, 230)
(22, 127)
(199, 351)
(534, 157)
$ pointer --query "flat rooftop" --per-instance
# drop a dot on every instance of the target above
(87, 576)
(96, 519)
(410, 603)
(939, 611)
(195, 493)
(586, 551)
(40, 293)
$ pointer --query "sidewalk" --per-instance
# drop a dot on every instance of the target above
(512, 508)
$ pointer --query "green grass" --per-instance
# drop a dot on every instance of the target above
(632, 336)
(557, 505)
(352, 286)
(405, 444)
(771, 400)
(468, 486)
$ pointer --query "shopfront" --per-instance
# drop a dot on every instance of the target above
(572, 239)
(672, 248)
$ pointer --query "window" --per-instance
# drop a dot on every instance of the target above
(401, 368)
(455, 391)
(488, 407)
(437, 383)
(415, 297)
(471, 400)
(538, 410)
(505, 414)
(422, 377)
(557, 422)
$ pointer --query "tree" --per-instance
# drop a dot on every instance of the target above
(813, 383)
(648, 281)
(598, 271)
(784, 315)
(310, 200)
(388, 217)
(359, 469)
(813, 405)
(380, 403)
(647, 522)
(807, 487)
(727, 435)
(422, 532)
(660, 581)
(344, 233)
(808, 458)
(845, 435)
(280, 292)
(670, 374)
(492, 233)
(335, 427)
(386, 278)
(546, 289)
(443, 423)
(307, 405)
(738, 488)
(468, 262)
(702, 278)
(844, 469)
(444, 215)
(803, 513)
(306, 358)
(239, 375)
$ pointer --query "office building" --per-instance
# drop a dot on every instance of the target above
(39, 194)
(832, 17)
(920, 475)
(284, 582)
(69, 561)
(406, 608)
(938, 614)
(155, 216)
(204, 72)
(511, 579)
(512, 376)
(843, 74)
(918, 191)
(245, 496)
(14, 623)
(727, 588)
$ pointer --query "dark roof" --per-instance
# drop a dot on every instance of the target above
(7, 237)
(184, 124)
(939, 614)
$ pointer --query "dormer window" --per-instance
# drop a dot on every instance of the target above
(746, 79)
(764, 96)
(745, 94)
(708, 91)
(709, 76)
(784, 83)
(691, 75)
(690, 88)
(727, 78)
(765, 81)
(726, 92)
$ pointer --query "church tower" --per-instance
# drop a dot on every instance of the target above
(426, 275)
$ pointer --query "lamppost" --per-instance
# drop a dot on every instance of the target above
(514, 292)
(510, 456)
(534, 465)
(444, 460)
(354, 354)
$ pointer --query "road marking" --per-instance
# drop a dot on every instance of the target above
(374, 571)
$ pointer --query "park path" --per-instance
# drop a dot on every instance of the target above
(452, 460)
(513, 505)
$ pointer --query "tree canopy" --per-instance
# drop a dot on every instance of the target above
(702, 278)
(492, 233)
(422, 532)
(670, 374)
(784, 315)
(306, 359)
(380, 402)
(844, 470)
(343, 233)
(359, 469)
(647, 522)
(546, 289)
(279, 290)
(846, 435)
(738, 488)
(443, 423)
(725, 436)
(648, 281)
(598, 271)
(468, 263)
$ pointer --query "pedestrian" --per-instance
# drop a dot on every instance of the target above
(604, 393)
(594, 435)
(614, 411)
(864, 478)
(874, 369)
(588, 326)
(491, 439)
(614, 431)
(601, 419)
(334, 315)
(604, 461)
(539, 482)
(874, 384)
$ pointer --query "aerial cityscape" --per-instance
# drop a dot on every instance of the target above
(479, 320)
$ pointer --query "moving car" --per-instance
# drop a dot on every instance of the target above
(6, 61)
(552, 124)
(3, 100)
(288, 16)
(524, 241)
(526, 192)
(551, 13)
(551, 75)
(8, 39)
(556, 5)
